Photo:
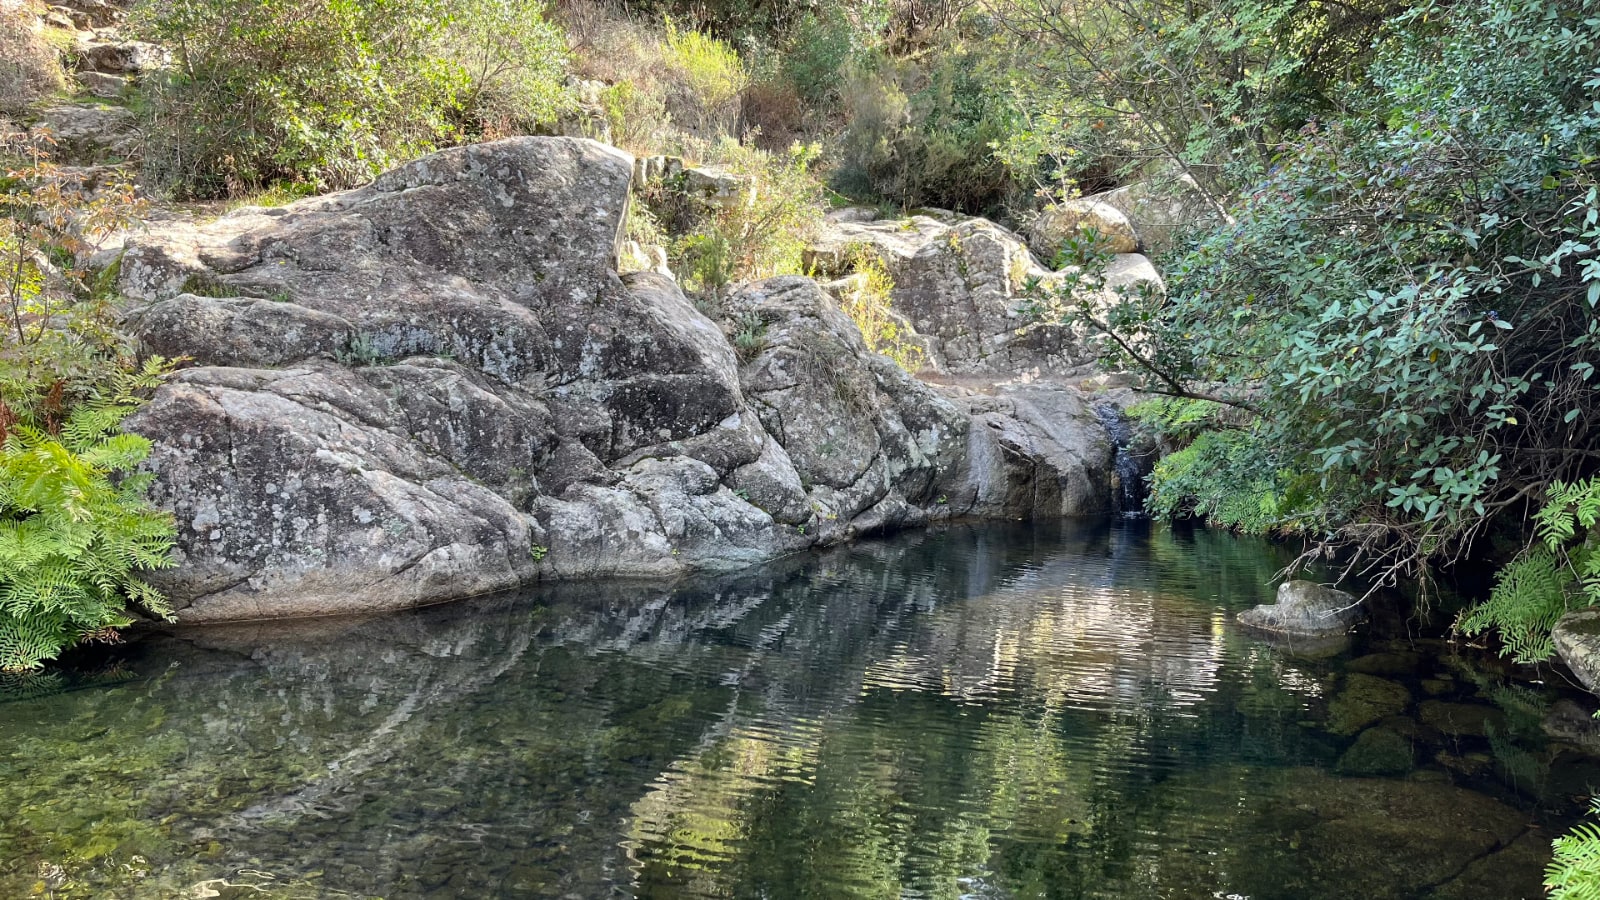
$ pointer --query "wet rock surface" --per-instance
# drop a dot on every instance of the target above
(437, 385)
(1305, 609)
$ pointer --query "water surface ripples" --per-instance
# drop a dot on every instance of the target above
(992, 711)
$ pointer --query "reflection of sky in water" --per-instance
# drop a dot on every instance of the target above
(1064, 632)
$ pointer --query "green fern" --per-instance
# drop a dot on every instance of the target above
(1529, 596)
(1574, 873)
(75, 526)
(1545, 582)
(1567, 508)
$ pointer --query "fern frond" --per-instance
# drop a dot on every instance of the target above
(1574, 872)
(1529, 596)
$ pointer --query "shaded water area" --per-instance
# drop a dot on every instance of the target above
(982, 712)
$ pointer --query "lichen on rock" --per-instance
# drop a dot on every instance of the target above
(438, 385)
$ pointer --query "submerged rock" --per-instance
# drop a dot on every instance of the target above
(1391, 663)
(1309, 833)
(1305, 609)
(1365, 699)
(1462, 719)
(437, 386)
(1378, 751)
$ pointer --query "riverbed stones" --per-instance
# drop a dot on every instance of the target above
(1577, 642)
(1312, 833)
(1522, 861)
(1365, 699)
(437, 385)
(1378, 751)
(1394, 663)
(1462, 719)
(1305, 609)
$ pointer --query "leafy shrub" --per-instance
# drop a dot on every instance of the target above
(773, 115)
(74, 524)
(634, 115)
(921, 132)
(869, 306)
(1210, 87)
(29, 67)
(330, 92)
(762, 236)
(818, 53)
(749, 337)
(1410, 294)
(713, 76)
(512, 61)
(1226, 479)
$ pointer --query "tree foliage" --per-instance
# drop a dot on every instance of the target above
(1409, 293)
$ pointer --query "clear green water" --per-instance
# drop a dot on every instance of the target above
(998, 711)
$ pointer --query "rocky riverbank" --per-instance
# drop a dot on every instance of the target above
(438, 385)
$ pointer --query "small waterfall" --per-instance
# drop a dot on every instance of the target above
(1129, 465)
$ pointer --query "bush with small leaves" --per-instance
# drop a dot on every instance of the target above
(328, 93)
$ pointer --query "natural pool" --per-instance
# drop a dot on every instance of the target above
(986, 711)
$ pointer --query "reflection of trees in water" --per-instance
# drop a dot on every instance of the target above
(893, 713)
(1037, 701)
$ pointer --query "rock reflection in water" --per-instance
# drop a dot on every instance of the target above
(987, 712)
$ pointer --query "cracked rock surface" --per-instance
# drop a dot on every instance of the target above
(437, 386)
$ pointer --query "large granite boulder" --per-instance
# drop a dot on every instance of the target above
(437, 385)
(1033, 448)
(963, 285)
(1161, 208)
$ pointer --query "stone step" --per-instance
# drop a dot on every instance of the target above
(91, 13)
(88, 134)
(130, 58)
(104, 85)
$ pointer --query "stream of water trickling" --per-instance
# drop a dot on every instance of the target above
(1062, 710)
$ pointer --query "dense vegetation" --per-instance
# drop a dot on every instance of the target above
(327, 93)
(75, 527)
(1379, 332)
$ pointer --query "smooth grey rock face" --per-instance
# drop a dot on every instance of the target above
(1305, 609)
(1577, 640)
(438, 386)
